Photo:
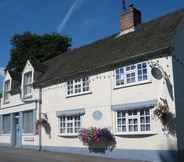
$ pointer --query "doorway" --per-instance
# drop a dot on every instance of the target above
(17, 130)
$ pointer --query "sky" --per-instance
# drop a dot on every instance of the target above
(82, 20)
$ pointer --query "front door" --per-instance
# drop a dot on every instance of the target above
(17, 131)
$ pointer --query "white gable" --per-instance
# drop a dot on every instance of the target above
(28, 67)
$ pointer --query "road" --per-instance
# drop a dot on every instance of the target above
(17, 155)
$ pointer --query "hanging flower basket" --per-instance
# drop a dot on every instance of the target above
(97, 140)
(45, 124)
(166, 117)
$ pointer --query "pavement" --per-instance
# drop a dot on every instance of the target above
(26, 155)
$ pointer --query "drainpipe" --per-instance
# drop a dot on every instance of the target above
(40, 112)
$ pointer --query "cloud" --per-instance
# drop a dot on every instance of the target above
(76, 4)
(1, 72)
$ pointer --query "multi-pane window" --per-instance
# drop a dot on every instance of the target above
(142, 71)
(77, 86)
(6, 91)
(131, 74)
(28, 122)
(145, 120)
(27, 87)
(6, 124)
(120, 76)
(70, 125)
(133, 121)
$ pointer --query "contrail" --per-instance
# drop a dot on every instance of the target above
(1, 72)
(73, 7)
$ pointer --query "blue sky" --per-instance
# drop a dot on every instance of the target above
(83, 20)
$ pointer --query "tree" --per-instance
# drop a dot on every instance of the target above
(37, 48)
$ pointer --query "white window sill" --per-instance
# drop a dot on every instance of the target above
(132, 84)
(135, 133)
(78, 94)
(28, 134)
(5, 134)
(68, 135)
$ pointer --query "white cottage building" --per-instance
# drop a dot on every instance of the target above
(116, 83)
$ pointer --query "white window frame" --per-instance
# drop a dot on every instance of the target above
(125, 73)
(138, 117)
(27, 84)
(66, 133)
(7, 92)
(76, 83)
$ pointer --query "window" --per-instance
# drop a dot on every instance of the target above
(28, 122)
(78, 86)
(133, 121)
(6, 124)
(27, 87)
(70, 125)
(142, 71)
(131, 74)
(120, 76)
(6, 91)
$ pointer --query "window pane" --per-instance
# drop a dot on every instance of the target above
(78, 86)
(28, 78)
(85, 84)
(70, 87)
(27, 83)
(7, 90)
(121, 122)
(119, 76)
(145, 120)
(142, 71)
(28, 122)
(70, 124)
(6, 124)
(133, 121)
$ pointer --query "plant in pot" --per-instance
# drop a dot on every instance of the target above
(98, 140)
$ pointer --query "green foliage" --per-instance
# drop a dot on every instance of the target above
(37, 48)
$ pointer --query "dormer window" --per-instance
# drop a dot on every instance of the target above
(27, 84)
(7, 91)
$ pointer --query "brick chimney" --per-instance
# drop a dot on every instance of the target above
(130, 18)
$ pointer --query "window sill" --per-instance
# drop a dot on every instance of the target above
(68, 135)
(136, 133)
(5, 134)
(79, 94)
(132, 84)
(27, 134)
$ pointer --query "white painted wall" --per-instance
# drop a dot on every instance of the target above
(17, 104)
(102, 97)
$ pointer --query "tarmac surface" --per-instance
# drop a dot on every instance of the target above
(20, 155)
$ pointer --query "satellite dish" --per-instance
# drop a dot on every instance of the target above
(157, 73)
